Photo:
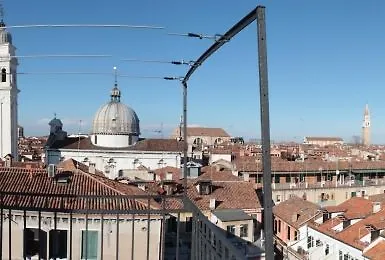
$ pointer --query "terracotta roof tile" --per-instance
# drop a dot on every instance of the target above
(34, 187)
(356, 207)
(352, 234)
(84, 143)
(72, 165)
(203, 131)
(296, 211)
(211, 173)
(377, 252)
(228, 195)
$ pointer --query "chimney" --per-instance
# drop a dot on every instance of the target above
(8, 160)
(376, 207)
(91, 168)
(295, 217)
(51, 170)
(168, 176)
(212, 204)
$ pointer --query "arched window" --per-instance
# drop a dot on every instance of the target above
(198, 141)
(3, 75)
(218, 141)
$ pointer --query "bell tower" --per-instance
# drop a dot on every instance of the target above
(8, 94)
(366, 127)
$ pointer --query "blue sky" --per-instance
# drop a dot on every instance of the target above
(326, 61)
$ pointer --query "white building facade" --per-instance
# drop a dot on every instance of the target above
(113, 145)
(8, 95)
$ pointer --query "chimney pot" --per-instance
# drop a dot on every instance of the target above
(91, 168)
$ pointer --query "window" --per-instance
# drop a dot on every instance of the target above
(278, 198)
(243, 230)
(326, 249)
(3, 75)
(275, 226)
(89, 244)
(310, 242)
(35, 241)
(288, 233)
(230, 230)
(362, 193)
(279, 226)
(346, 257)
(188, 224)
(295, 235)
(276, 178)
(96, 139)
(353, 194)
(340, 255)
(57, 244)
(288, 179)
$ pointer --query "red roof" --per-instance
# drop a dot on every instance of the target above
(33, 188)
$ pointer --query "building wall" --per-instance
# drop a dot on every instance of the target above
(217, 157)
(331, 195)
(113, 140)
(8, 103)
(122, 160)
(109, 234)
(207, 140)
(237, 224)
(282, 229)
(335, 246)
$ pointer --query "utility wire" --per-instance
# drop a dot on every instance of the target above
(174, 62)
(83, 25)
(58, 56)
(215, 37)
(94, 73)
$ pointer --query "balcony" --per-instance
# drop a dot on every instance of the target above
(41, 226)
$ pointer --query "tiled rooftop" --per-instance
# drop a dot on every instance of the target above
(377, 252)
(37, 183)
(296, 211)
(354, 208)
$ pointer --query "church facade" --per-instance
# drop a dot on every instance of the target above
(114, 145)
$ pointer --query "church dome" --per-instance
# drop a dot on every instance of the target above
(5, 36)
(115, 118)
(56, 122)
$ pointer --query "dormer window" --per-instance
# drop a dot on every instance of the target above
(205, 187)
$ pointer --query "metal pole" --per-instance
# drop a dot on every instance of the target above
(185, 143)
(265, 133)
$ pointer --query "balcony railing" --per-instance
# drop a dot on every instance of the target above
(48, 226)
